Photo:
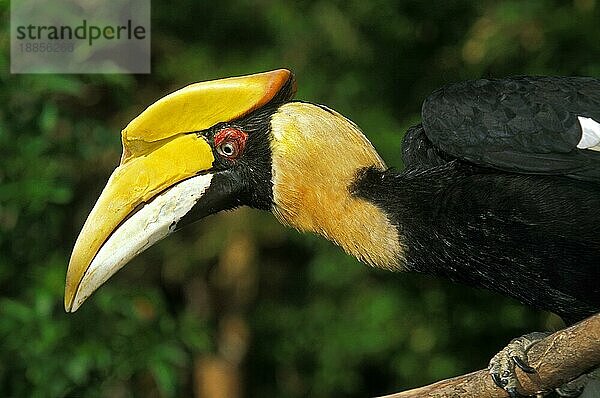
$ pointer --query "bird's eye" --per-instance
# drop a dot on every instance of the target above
(230, 142)
(228, 149)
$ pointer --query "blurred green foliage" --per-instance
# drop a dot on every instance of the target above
(299, 318)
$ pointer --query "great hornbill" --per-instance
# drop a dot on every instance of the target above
(501, 186)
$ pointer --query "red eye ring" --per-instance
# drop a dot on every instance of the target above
(230, 142)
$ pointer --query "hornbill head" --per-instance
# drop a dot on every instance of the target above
(220, 144)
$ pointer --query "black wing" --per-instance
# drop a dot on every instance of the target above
(520, 124)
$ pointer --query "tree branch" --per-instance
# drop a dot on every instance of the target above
(558, 358)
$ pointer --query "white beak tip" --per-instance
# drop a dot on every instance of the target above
(154, 221)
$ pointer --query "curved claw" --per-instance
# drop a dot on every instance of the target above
(498, 380)
(522, 365)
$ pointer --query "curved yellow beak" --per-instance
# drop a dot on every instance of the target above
(165, 169)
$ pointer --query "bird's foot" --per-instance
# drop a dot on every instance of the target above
(572, 389)
(502, 365)
(576, 387)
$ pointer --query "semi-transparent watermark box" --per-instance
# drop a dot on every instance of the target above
(80, 36)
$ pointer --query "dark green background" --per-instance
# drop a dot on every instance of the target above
(282, 314)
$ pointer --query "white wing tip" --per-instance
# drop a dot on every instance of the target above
(590, 134)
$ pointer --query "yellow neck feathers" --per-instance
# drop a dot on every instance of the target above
(316, 156)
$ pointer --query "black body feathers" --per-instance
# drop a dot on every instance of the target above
(496, 194)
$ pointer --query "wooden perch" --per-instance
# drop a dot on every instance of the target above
(559, 358)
